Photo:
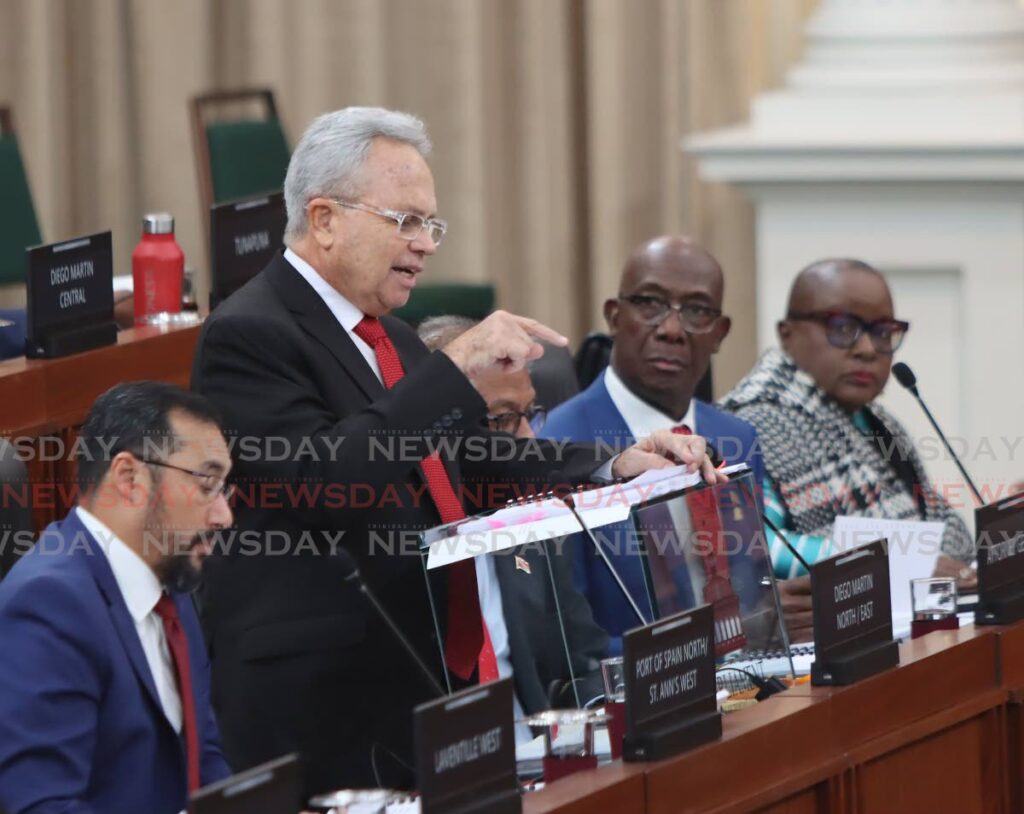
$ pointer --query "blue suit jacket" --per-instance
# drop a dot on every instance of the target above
(81, 726)
(591, 416)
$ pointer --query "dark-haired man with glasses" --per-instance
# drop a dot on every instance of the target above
(104, 680)
(666, 323)
(516, 594)
(829, 449)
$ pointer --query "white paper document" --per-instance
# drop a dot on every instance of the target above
(550, 518)
(914, 547)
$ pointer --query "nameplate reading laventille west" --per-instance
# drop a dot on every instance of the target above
(466, 752)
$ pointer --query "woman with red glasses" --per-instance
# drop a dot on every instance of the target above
(829, 449)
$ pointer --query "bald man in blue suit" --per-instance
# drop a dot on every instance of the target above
(666, 323)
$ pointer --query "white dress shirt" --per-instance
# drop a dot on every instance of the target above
(141, 591)
(346, 313)
(488, 588)
(641, 418)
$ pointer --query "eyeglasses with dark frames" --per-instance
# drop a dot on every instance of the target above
(843, 329)
(210, 485)
(410, 225)
(509, 422)
(696, 318)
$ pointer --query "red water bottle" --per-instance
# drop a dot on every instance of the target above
(158, 265)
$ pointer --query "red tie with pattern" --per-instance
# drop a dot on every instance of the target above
(177, 643)
(468, 643)
(718, 591)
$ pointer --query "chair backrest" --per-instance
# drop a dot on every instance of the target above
(240, 146)
(19, 227)
(474, 300)
(15, 513)
(592, 357)
(553, 377)
(595, 352)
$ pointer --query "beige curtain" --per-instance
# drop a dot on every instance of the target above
(556, 123)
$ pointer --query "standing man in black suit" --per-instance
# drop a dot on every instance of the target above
(350, 433)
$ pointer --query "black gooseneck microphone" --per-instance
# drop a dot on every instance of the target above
(352, 575)
(778, 532)
(905, 376)
(786, 542)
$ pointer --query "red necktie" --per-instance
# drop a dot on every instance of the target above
(468, 643)
(177, 643)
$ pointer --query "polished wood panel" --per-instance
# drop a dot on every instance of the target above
(940, 732)
(616, 788)
(45, 402)
(944, 772)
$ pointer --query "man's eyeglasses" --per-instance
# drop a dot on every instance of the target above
(695, 317)
(210, 485)
(509, 422)
(843, 329)
(409, 223)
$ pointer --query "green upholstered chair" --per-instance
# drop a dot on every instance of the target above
(474, 300)
(18, 225)
(240, 145)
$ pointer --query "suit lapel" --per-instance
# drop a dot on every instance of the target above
(316, 319)
(604, 416)
(123, 623)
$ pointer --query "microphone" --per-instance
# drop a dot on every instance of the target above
(352, 575)
(571, 504)
(905, 376)
(786, 542)
(778, 533)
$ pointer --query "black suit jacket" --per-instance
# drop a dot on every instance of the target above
(536, 586)
(325, 457)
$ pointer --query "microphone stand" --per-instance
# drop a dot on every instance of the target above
(607, 561)
(406, 645)
(942, 437)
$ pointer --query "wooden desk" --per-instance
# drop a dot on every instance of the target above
(43, 402)
(940, 733)
(1011, 670)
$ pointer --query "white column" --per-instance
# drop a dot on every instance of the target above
(899, 139)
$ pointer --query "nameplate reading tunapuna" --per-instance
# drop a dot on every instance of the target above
(669, 669)
(465, 752)
(852, 609)
(1000, 539)
(70, 288)
(244, 236)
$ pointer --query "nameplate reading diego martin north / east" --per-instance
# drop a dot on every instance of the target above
(852, 610)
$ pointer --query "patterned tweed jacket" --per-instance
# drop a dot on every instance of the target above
(822, 465)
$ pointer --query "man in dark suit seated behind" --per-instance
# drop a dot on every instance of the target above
(533, 649)
(104, 679)
(350, 433)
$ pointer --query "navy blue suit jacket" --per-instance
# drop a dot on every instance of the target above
(591, 416)
(81, 726)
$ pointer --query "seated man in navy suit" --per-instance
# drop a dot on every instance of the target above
(666, 323)
(104, 679)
